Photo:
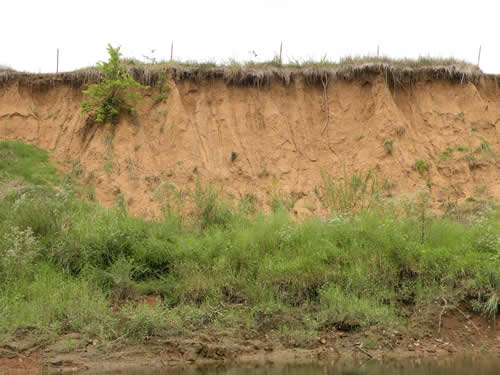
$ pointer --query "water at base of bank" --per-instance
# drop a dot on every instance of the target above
(489, 365)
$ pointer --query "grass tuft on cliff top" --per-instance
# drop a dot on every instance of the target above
(252, 73)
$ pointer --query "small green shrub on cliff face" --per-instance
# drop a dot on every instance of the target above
(421, 166)
(116, 92)
(389, 145)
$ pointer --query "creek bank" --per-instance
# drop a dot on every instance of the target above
(458, 337)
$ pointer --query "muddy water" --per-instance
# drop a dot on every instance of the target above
(482, 366)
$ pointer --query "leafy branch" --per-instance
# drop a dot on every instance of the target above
(116, 92)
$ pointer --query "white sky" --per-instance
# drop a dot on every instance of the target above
(218, 30)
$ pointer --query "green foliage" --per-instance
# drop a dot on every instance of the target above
(210, 209)
(484, 146)
(471, 160)
(421, 166)
(389, 145)
(445, 155)
(37, 208)
(279, 200)
(116, 92)
(121, 204)
(108, 166)
(28, 164)
(462, 148)
(18, 253)
(52, 302)
(163, 87)
(344, 309)
(64, 261)
(248, 204)
(485, 151)
(490, 307)
(35, 112)
(355, 192)
(171, 199)
(143, 321)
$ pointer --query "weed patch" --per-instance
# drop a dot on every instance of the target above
(355, 192)
(68, 265)
(389, 146)
(421, 166)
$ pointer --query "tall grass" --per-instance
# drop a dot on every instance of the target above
(355, 192)
(51, 302)
(66, 266)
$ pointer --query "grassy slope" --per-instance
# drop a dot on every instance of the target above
(27, 163)
(72, 266)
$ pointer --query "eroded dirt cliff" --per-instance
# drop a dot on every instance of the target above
(249, 139)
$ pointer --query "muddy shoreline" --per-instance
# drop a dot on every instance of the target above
(458, 337)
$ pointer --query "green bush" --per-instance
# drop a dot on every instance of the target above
(116, 92)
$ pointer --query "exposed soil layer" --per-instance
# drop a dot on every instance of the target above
(249, 140)
(458, 336)
(245, 138)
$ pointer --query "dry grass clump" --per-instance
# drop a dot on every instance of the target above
(75, 79)
(5, 76)
(398, 71)
(5, 73)
(6, 68)
(258, 74)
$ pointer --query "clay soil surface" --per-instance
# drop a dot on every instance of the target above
(251, 140)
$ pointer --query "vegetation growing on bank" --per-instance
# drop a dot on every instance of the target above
(67, 265)
(252, 73)
(115, 92)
